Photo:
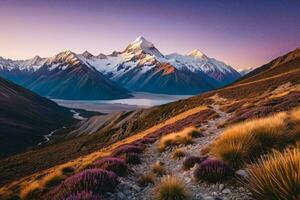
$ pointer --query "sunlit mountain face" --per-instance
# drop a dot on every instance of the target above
(140, 67)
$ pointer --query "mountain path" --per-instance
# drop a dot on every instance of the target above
(129, 190)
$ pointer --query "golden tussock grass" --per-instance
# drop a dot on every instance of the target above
(248, 105)
(295, 116)
(52, 179)
(182, 137)
(47, 181)
(159, 169)
(81, 163)
(276, 176)
(146, 179)
(28, 192)
(205, 150)
(248, 140)
(284, 90)
(178, 153)
(171, 187)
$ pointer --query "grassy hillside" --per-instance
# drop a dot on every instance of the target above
(273, 89)
(282, 64)
(239, 94)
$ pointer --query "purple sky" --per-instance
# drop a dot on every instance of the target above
(239, 32)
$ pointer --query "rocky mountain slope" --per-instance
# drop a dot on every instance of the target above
(99, 136)
(25, 117)
(140, 67)
(64, 76)
(282, 64)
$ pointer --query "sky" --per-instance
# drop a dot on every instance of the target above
(238, 32)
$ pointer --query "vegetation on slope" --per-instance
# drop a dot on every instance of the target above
(254, 95)
(276, 176)
(170, 188)
(244, 142)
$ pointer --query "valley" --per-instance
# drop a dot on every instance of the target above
(275, 92)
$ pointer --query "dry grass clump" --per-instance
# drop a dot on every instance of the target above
(178, 153)
(248, 105)
(205, 150)
(47, 181)
(30, 191)
(171, 188)
(194, 132)
(182, 137)
(159, 169)
(276, 176)
(248, 140)
(53, 179)
(146, 179)
(295, 116)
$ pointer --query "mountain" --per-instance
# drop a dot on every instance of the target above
(142, 67)
(17, 71)
(25, 117)
(65, 76)
(100, 135)
(286, 63)
(243, 72)
(139, 67)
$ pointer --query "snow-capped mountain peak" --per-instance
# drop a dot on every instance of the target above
(67, 59)
(141, 42)
(65, 55)
(35, 59)
(87, 55)
(101, 56)
(198, 54)
(32, 64)
(141, 45)
(140, 67)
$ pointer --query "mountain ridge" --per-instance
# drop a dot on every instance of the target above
(239, 101)
(132, 69)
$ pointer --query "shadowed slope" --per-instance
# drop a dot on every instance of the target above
(25, 117)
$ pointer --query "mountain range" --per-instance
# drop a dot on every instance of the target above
(267, 90)
(139, 67)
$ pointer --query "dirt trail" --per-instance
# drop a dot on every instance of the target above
(128, 189)
(81, 162)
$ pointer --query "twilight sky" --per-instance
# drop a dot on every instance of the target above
(239, 32)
